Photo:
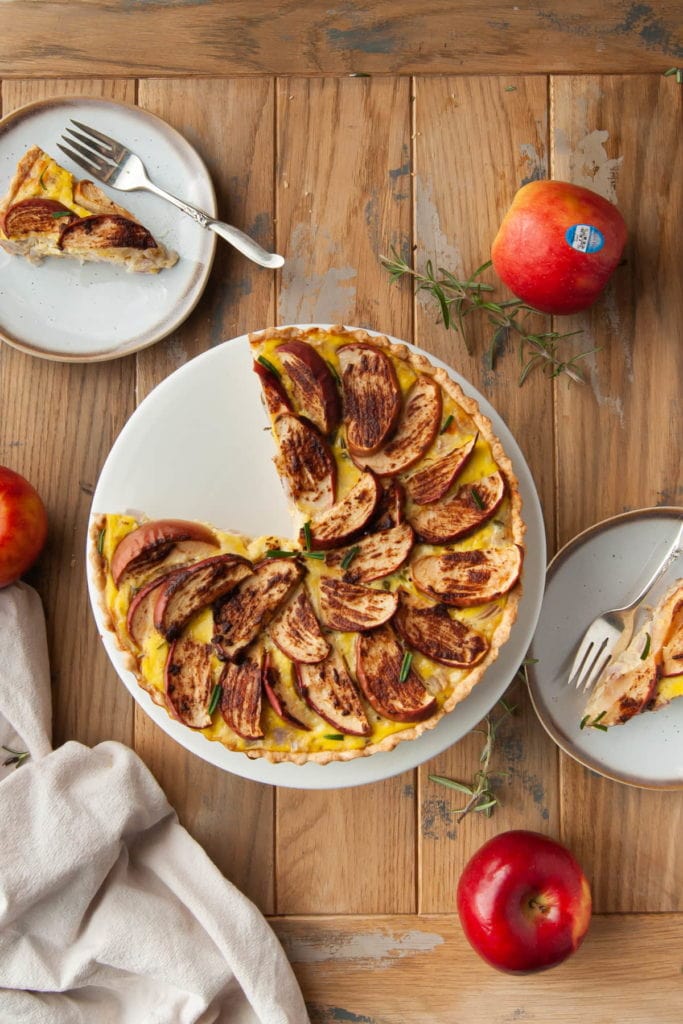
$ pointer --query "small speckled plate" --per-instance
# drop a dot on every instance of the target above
(600, 569)
(62, 310)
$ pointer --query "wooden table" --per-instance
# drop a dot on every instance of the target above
(332, 134)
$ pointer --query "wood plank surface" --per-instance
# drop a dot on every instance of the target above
(413, 970)
(212, 37)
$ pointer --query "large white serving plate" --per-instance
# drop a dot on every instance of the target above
(199, 447)
(602, 568)
(72, 312)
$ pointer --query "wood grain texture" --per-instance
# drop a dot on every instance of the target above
(231, 124)
(621, 136)
(410, 970)
(342, 199)
(476, 142)
(211, 37)
(57, 424)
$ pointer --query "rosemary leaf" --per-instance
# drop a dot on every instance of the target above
(349, 557)
(269, 366)
(405, 666)
(215, 697)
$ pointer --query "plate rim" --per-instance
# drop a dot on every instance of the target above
(304, 780)
(533, 685)
(119, 352)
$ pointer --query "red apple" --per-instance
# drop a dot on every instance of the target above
(23, 525)
(558, 245)
(524, 902)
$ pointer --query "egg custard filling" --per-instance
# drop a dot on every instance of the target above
(48, 212)
(389, 602)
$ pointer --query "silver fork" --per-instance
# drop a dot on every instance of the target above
(113, 163)
(600, 640)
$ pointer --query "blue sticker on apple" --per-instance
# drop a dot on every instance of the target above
(584, 238)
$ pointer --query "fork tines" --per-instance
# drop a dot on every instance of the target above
(91, 149)
(589, 670)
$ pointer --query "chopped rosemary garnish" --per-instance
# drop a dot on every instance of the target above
(595, 724)
(333, 371)
(215, 697)
(100, 541)
(447, 423)
(405, 666)
(477, 498)
(583, 721)
(61, 213)
(269, 366)
(307, 535)
(349, 556)
(480, 793)
(458, 299)
(678, 72)
(333, 736)
(319, 555)
(17, 757)
(281, 553)
(646, 648)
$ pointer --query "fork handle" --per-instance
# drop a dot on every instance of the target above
(672, 554)
(238, 239)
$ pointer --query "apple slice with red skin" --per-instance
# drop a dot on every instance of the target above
(312, 384)
(471, 506)
(348, 607)
(306, 463)
(239, 617)
(297, 632)
(279, 702)
(273, 391)
(379, 662)
(241, 697)
(371, 397)
(431, 630)
(524, 902)
(329, 690)
(190, 590)
(431, 483)
(105, 231)
(188, 682)
(36, 216)
(347, 518)
(140, 615)
(150, 543)
(462, 579)
(417, 427)
(375, 556)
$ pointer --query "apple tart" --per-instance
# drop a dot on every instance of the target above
(47, 212)
(388, 603)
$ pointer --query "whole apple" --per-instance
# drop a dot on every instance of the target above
(23, 525)
(558, 245)
(524, 902)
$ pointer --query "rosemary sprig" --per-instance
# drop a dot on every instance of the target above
(17, 757)
(269, 366)
(215, 698)
(405, 666)
(459, 299)
(480, 792)
(595, 724)
(349, 556)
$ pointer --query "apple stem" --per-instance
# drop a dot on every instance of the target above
(535, 905)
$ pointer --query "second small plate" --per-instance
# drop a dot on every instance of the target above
(70, 312)
(597, 570)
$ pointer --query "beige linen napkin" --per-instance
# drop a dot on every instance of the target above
(109, 910)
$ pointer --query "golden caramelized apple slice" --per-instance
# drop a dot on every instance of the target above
(297, 632)
(371, 395)
(417, 427)
(465, 578)
(190, 590)
(104, 231)
(375, 556)
(239, 617)
(312, 385)
(281, 702)
(329, 690)
(306, 464)
(339, 524)
(348, 607)
(432, 631)
(37, 216)
(147, 545)
(472, 505)
(672, 651)
(188, 682)
(431, 483)
(241, 697)
(274, 395)
(379, 666)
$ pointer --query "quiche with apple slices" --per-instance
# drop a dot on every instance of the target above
(388, 603)
(48, 212)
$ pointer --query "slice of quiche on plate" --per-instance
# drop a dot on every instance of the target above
(387, 603)
(47, 212)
